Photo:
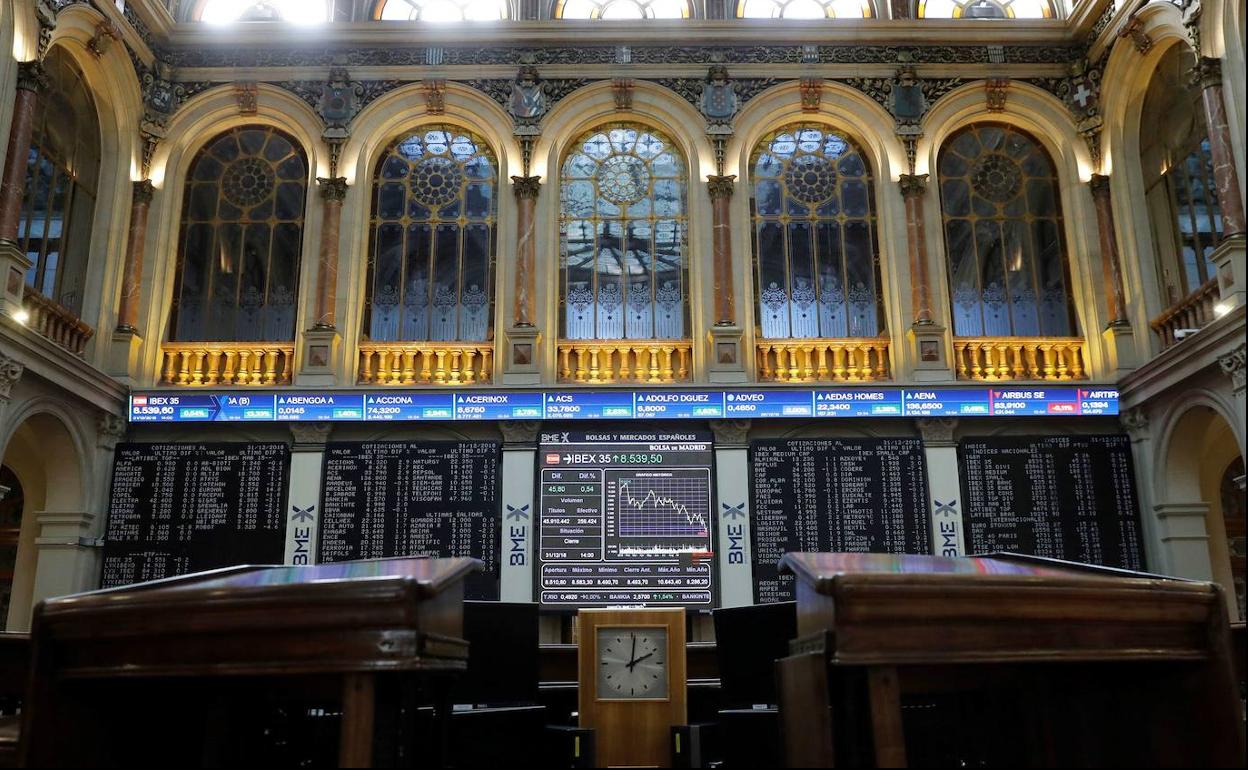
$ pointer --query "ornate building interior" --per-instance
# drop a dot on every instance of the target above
(294, 196)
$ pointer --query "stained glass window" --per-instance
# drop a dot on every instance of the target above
(62, 171)
(241, 239)
(431, 260)
(986, 9)
(816, 265)
(443, 10)
(623, 9)
(294, 11)
(622, 227)
(1003, 233)
(804, 9)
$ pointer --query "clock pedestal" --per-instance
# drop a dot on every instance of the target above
(632, 683)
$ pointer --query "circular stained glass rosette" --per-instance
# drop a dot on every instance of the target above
(437, 181)
(810, 179)
(623, 179)
(248, 182)
(997, 178)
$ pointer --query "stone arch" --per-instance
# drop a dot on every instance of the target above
(115, 90)
(1128, 74)
(862, 119)
(45, 450)
(380, 123)
(1045, 118)
(654, 106)
(1200, 438)
(201, 119)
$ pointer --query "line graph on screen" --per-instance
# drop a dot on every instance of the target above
(667, 505)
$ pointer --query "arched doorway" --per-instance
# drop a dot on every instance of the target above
(42, 456)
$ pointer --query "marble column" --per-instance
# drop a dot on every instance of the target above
(1209, 75)
(30, 81)
(333, 193)
(1111, 264)
(526, 189)
(913, 188)
(132, 276)
(721, 190)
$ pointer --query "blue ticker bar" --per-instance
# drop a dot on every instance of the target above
(180, 406)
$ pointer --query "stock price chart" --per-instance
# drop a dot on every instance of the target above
(625, 519)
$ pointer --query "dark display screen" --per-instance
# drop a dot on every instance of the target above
(181, 508)
(625, 519)
(834, 496)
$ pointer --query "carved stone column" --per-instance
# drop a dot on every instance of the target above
(132, 275)
(333, 193)
(1111, 265)
(1209, 75)
(30, 81)
(526, 188)
(721, 189)
(913, 189)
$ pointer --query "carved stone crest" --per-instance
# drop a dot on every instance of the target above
(530, 98)
(720, 101)
(339, 99)
(996, 90)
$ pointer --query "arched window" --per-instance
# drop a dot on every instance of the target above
(431, 259)
(294, 11)
(623, 9)
(442, 10)
(622, 226)
(986, 9)
(1178, 177)
(805, 9)
(62, 171)
(1003, 233)
(241, 239)
(815, 258)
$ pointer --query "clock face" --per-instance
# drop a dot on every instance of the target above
(632, 663)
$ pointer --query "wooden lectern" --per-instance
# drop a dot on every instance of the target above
(1004, 660)
(172, 670)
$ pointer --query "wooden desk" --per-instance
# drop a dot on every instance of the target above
(1038, 662)
(173, 652)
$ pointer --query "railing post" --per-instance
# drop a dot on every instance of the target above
(13, 262)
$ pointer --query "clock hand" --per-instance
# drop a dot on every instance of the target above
(632, 654)
(632, 664)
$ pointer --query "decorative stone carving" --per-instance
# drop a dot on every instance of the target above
(996, 90)
(10, 372)
(622, 91)
(912, 185)
(719, 100)
(526, 186)
(31, 77)
(519, 431)
(435, 96)
(1135, 423)
(530, 97)
(45, 16)
(110, 429)
(812, 93)
(718, 186)
(937, 431)
(333, 188)
(1134, 29)
(1232, 365)
(161, 97)
(247, 95)
(106, 33)
(311, 434)
(338, 100)
(731, 433)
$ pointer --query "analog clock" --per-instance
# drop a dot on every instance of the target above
(632, 663)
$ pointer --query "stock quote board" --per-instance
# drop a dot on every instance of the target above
(1063, 497)
(414, 498)
(181, 508)
(625, 519)
(834, 495)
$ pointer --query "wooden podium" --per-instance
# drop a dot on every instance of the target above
(1004, 660)
(171, 671)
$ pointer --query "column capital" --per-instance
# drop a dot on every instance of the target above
(143, 192)
(937, 431)
(521, 433)
(310, 435)
(1099, 184)
(333, 188)
(526, 187)
(11, 371)
(1233, 365)
(719, 186)
(731, 433)
(1208, 72)
(1135, 423)
(912, 185)
(31, 76)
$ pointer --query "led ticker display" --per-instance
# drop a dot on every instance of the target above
(178, 406)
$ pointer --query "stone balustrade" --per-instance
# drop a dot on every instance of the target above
(823, 360)
(597, 362)
(227, 363)
(992, 359)
(426, 363)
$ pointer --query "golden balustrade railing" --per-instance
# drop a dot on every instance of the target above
(599, 361)
(1195, 311)
(426, 363)
(227, 363)
(55, 322)
(823, 360)
(1020, 358)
